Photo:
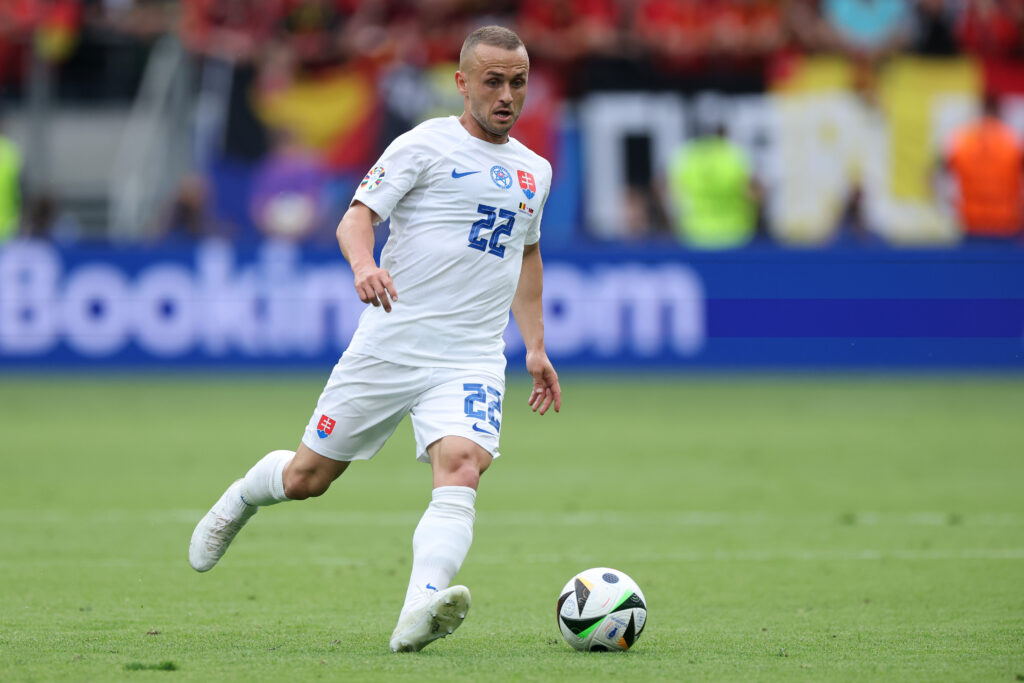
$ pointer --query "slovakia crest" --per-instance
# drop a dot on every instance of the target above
(527, 183)
(325, 427)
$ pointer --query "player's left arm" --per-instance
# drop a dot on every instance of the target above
(528, 310)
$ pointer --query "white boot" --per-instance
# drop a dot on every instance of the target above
(437, 618)
(218, 527)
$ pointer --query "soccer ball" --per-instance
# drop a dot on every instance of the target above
(601, 610)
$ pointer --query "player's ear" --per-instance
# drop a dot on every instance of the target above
(460, 83)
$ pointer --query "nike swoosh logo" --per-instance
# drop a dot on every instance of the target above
(477, 429)
(456, 174)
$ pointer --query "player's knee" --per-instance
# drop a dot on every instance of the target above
(464, 476)
(300, 485)
(462, 466)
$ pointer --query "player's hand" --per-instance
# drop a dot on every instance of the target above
(375, 286)
(546, 391)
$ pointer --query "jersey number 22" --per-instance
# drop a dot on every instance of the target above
(491, 245)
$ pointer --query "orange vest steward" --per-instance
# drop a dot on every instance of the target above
(988, 161)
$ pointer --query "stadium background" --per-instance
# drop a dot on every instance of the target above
(184, 166)
(805, 447)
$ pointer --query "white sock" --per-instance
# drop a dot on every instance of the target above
(264, 483)
(440, 542)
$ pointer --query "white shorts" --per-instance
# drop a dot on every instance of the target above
(366, 397)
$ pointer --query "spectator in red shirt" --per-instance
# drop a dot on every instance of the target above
(676, 33)
(746, 29)
(721, 44)
(573, 37)
(313, 30)
(991, 28)
(230, 36)
(15, 28)
(234, 30)
(745, 34)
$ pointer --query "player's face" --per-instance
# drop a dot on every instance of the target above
(493, 85)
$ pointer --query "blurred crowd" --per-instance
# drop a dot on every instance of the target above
(659, 42)
(97, 50)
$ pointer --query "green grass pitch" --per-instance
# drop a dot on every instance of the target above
(783, 529)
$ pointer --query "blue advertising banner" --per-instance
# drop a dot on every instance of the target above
(274, 303)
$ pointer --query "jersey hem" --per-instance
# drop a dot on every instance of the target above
(495, 368)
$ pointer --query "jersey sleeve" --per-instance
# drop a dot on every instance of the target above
(533, 235)
(394, 174)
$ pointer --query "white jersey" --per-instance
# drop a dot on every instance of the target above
(461, 211)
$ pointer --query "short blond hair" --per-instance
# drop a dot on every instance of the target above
(495, 36)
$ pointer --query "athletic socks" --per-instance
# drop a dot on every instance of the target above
(440, 542)
(264, 483)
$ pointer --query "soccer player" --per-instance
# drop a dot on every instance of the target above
(465, 202)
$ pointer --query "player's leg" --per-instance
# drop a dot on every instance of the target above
(460, 421)
(290, 475)
(310, 474)
(432, 608)
(351, 422)
(445, 531)
(458, 461)
(277, 477)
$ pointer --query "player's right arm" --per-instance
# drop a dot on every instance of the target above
(355, 237)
